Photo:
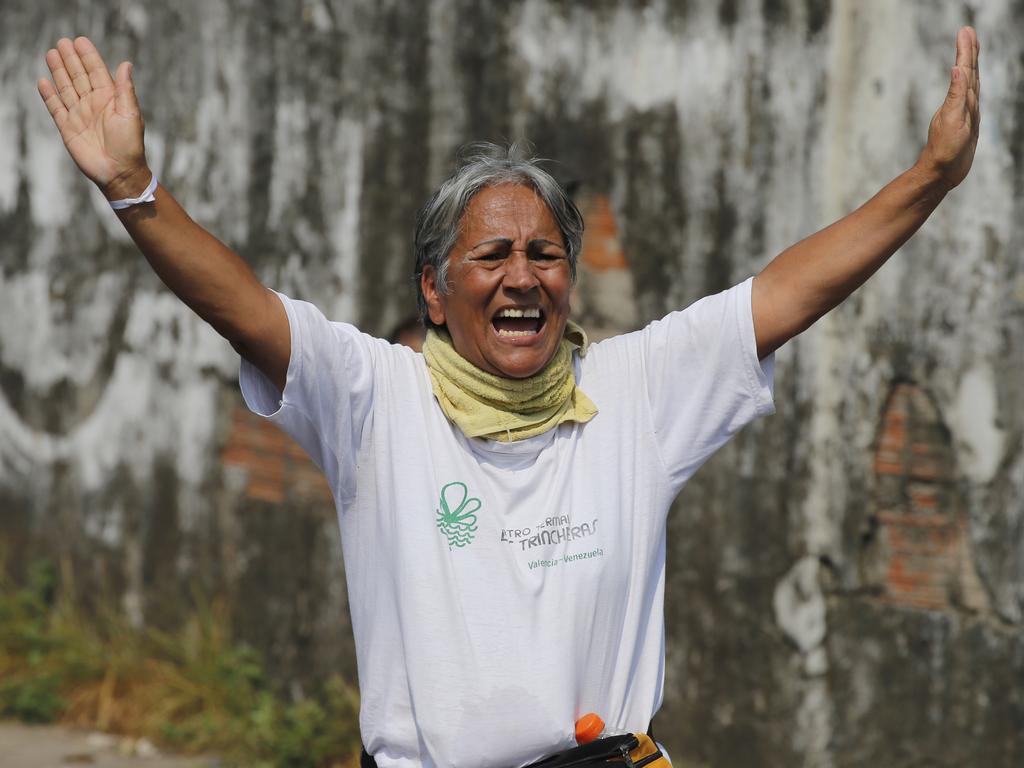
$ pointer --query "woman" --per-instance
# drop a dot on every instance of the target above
(503, 496)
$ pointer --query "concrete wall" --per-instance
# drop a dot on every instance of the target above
(846, 579)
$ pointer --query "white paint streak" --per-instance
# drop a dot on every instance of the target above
(291, 161)
(317, 13)
(800, 611)
(219, 161)
(51, 175)
(341, 195)
(633, 62)
(10, 158)
(631, 57)
(974, 418)
(197, 421)
(824, 342)
(52, 348)
(136, 18)
(139, 416)
(447, 105)
(800, 605)
(812, 737)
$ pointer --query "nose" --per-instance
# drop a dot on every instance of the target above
(519, 274)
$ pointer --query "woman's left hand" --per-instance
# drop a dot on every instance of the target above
(953, 133)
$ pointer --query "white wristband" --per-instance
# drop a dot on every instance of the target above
(147, 196)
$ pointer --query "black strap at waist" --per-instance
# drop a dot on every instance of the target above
(366, 759)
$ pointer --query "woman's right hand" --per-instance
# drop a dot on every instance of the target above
(98, 117)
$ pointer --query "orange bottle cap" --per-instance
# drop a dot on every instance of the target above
(588, 728)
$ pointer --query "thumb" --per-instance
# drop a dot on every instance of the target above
(124, 90)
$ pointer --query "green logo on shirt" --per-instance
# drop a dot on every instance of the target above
(456, 519)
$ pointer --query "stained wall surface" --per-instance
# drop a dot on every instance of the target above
(845, 579)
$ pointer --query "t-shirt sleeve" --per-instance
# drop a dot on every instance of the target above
(704, 381)
(328, 393)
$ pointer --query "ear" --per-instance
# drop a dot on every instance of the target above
(434, 298)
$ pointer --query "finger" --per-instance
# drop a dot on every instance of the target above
(95, 67)
(61, 79)
(73, 64)
(53, 102)
(956, 96)
(977, 69)
(124, 90)
(974, 105)
(964, 47)
(972, 40)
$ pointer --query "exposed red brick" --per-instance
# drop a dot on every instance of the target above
(917, 600)
(264, 490)
(276, 467)
(923, 499)
(601, 249)
(888, 467)
(897, 518)
(921, 529)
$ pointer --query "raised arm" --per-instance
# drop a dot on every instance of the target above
(812, 277)
(99, 120)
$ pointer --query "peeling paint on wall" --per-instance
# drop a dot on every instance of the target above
(704, 136)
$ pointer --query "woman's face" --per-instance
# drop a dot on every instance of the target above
(509, 283)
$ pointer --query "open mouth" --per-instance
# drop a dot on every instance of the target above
(516, 322)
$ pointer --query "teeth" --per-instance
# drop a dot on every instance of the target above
(512, 312)
(503, 332)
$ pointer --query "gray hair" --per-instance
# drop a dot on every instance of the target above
(485, 165)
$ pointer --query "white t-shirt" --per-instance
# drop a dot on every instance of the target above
(501, 590)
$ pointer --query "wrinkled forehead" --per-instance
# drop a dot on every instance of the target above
(509, 211)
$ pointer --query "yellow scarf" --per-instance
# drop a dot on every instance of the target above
(498, 408)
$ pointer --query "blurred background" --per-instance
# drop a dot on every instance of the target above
(845, 579)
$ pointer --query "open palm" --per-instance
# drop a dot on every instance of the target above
(953, 132)
(98, 116)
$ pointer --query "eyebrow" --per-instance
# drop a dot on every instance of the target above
(507, 242)
(537, 242)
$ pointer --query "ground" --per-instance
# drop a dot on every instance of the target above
(54, 746)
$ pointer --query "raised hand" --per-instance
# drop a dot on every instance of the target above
(953, 133)
(98, 117)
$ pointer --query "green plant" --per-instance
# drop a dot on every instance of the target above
(192, 690)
